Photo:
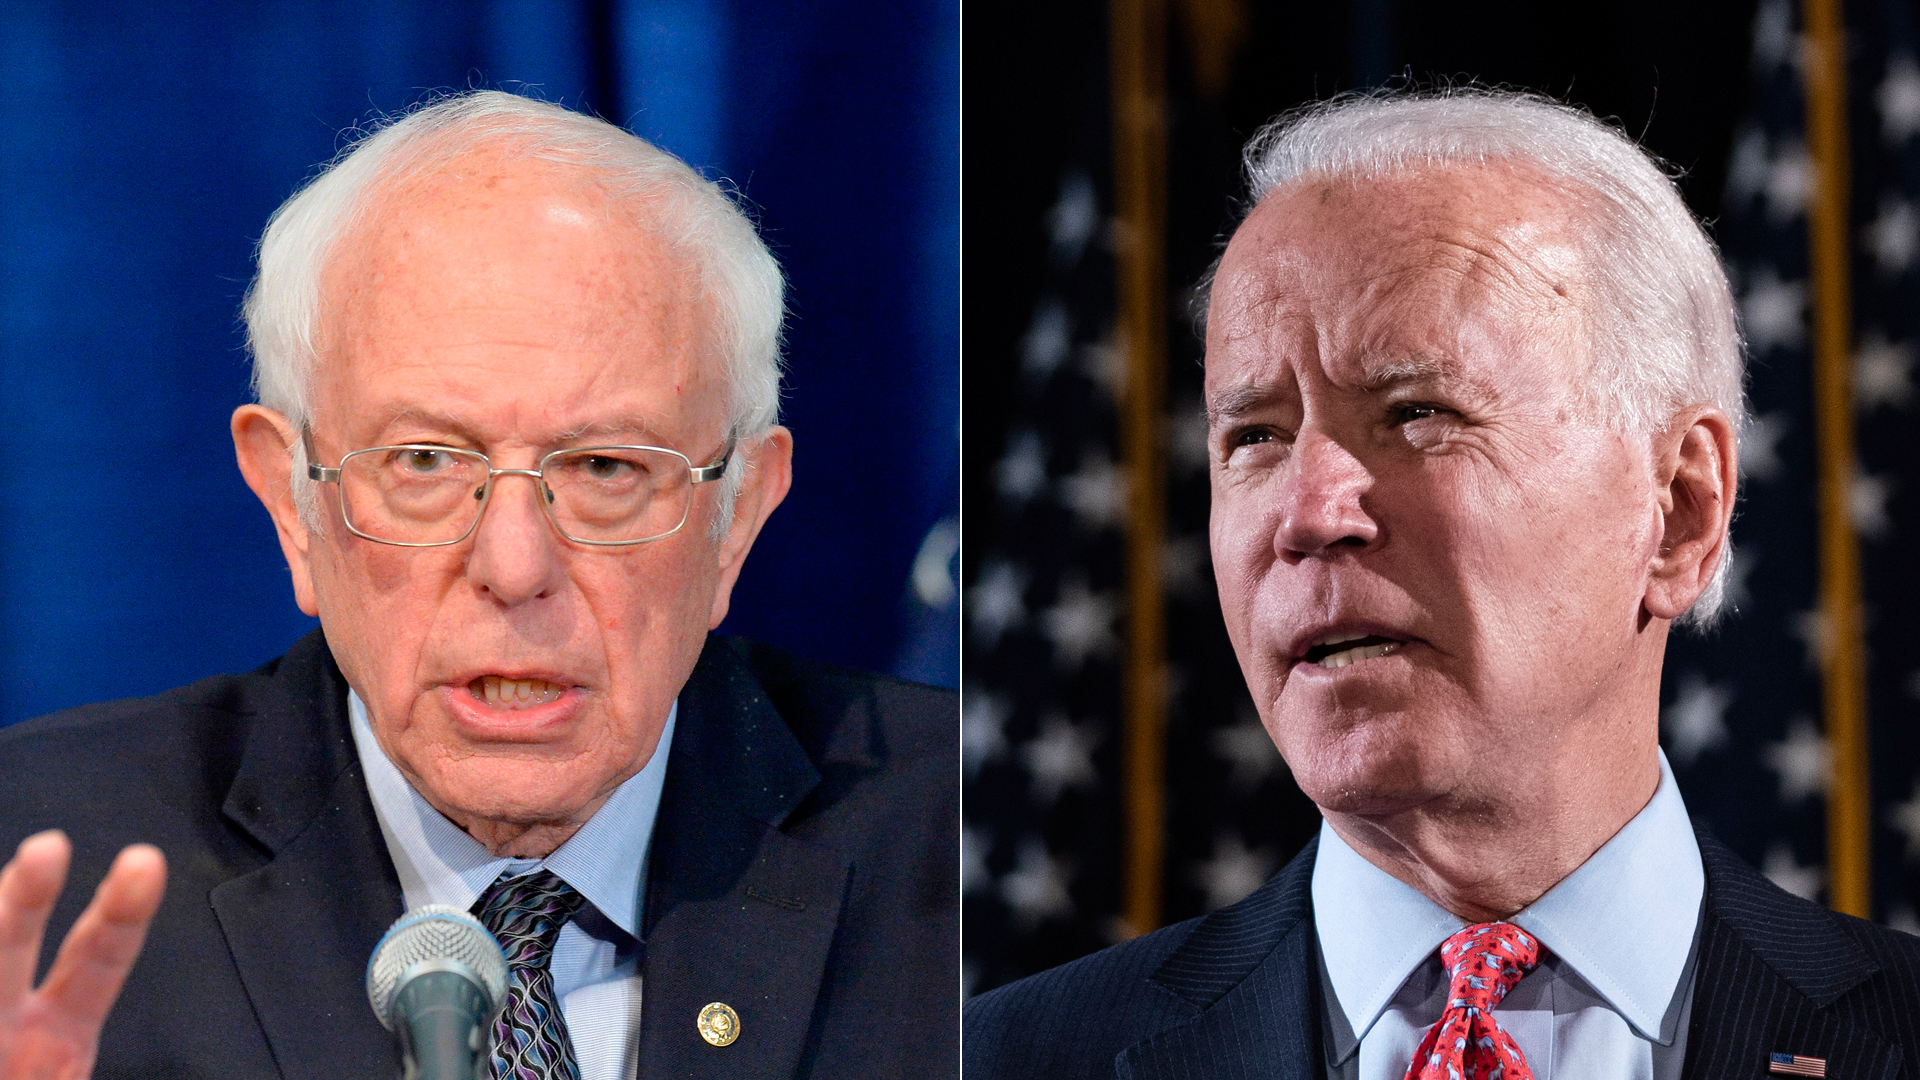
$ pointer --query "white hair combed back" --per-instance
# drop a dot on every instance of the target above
(1665, 332)
(699, 222)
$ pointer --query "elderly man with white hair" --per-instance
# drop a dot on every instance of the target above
(518, 373)
(1474, 387)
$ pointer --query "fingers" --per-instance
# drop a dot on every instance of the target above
(106, 939)
(29, 885)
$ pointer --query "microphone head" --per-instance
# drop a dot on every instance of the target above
(437, 937)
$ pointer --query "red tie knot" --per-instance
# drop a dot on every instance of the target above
(1484, 961)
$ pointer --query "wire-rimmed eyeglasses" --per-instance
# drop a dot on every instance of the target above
(427, 495)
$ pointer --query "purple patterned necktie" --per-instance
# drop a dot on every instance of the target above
(530, 1036)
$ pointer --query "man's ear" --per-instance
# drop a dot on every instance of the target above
(263, 442)
(1696, 473)
(767, 473)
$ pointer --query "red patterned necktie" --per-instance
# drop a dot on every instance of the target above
(1483, 962)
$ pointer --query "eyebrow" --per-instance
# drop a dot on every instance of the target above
(1238, 401)
(1405, 369)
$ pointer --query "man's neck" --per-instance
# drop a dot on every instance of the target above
(1485, 859)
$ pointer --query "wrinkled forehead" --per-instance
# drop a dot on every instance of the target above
(525, 260)
(1409, 268)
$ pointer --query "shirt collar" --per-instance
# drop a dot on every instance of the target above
(1624, 920)
(438, 863)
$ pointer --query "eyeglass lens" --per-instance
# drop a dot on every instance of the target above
(433, 495)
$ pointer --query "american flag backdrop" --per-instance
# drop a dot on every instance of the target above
(1043, 567)
(1742, 719)
(1044, 838)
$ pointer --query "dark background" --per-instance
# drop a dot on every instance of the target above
(142, 147)
(1044, 840)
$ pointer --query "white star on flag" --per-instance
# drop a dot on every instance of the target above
(1803, 761)
(1894, 236)
(1098, 492)
(1080, 624)
(1899, 98)
(1693, 722)
(1882, 373)
(1774, 42)
(1047, 340)
(995, 604)
(1060, 757)
(1774, 312)
(1073, 218)
(1906, 818)
(1747, 171)
(1867, 505)
(1233, 871)
(1781, 869)
(1036, 888)
(1789, 182)
(1248, 748)
(1022, 473)
(982, 728)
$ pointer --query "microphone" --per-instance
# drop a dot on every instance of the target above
(436, 980)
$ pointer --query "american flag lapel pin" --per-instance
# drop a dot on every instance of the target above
(1796, 1065)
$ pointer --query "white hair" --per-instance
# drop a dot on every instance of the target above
(699, 221)
(1663, 322)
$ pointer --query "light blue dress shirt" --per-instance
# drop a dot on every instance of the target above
(1611, 999)
(596, 960)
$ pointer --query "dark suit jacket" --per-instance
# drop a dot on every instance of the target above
(1237, 993)
(804, 870)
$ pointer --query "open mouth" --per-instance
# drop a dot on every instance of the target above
(515, 693)
(1339, 650)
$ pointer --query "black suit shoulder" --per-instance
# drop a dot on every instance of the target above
(153, 769)
(841, 714)
(170, 770)
(1072, 1020)
(1155, 994)
(1781, 974)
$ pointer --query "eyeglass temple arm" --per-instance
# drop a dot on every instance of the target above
(316, 471)
(700, 474)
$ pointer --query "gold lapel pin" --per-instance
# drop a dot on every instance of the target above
(719, 1024)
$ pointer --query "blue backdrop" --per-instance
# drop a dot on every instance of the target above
(142, 147)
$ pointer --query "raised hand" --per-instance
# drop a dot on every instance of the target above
(53, 1033)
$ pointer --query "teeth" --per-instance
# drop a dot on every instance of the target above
(1338, 638)
(515, 693)
(1364, 652)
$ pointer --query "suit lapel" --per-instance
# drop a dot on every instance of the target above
(1250, 974)
(1768, 968)
(301, 927)
(737, 911)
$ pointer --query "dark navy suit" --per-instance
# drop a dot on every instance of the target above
(1237, 993)
(804, 871)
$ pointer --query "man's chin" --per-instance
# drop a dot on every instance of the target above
(1364, 775)
(487, 794)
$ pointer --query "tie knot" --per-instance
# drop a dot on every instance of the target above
(526, 913)
(1484, 961)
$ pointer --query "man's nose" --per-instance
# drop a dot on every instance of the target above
(1321, 509)
(516, 553)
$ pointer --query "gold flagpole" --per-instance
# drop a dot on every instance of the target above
(1137, 41)
(1843, 660)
